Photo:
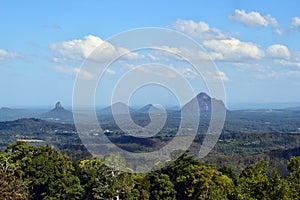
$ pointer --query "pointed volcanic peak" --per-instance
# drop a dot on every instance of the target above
(150, 108)
(205, 103)
(58, 107)
(58, 113)
(119, 108)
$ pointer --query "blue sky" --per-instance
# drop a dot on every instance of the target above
(255, 45)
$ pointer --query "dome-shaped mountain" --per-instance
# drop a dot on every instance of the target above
(119, 108)
(150, 108)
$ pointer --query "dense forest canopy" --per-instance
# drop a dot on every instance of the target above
(28, 172)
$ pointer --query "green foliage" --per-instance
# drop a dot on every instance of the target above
(229, 172)
(48, 173)
(255, 183)
(293, 179)
(193, 180)
(43, 173)
(101, 182)
(161, 187)
(141, 188)
(11, 186)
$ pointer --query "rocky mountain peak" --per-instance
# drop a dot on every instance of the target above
(205, 103)
(58, 105)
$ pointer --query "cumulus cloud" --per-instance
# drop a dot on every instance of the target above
(292, 61)
(278, 51)
(5, 55)
(199, 30)
(253, 18)
(234, 50)
(228, 50)
(295, 23)
(256, 19)
(93, 48)
(82, 74)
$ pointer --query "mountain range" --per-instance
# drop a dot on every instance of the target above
(60, 114)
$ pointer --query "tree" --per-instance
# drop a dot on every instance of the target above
(161, 187)
(255, 183)
(206, 182)
(193, 180)
(141, 189)
(48, 173)
(229, 172)
(12, 187)
(293, 179)
(102, 182)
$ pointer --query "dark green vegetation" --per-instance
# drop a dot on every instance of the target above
(28, 172)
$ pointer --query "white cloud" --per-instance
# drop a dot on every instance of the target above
(210, 75)
(295, 23)
(288, 63)
(234, 50)
(293, 61)
(91, 47)
(216, 76)
(278, 31)
(256, 19)
(165, 53)
(201, 54)
(166, 72)
(171, 71)
(200, 30)
(278, 51)
(223, 76)
(188, 72)
(253, 18)
(82, 74)
(5, 55)
(229, 50)
(181, 53)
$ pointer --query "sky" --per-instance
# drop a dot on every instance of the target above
(254, 44)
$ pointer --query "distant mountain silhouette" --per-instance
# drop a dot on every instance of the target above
(293, 108)
(58, 113)
(119, 108)
(205, 103)
(148, 108)
(9, 114)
